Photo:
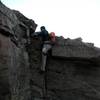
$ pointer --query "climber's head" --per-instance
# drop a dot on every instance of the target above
(42, 28)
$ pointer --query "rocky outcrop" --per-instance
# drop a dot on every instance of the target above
(67, 76)
(74, 48)
(72, 69)
(14, 61)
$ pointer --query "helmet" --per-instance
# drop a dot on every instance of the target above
(42, 27)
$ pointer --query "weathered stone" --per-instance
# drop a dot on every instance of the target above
(14, 61)
(69, 78)
(74, 48)
(72, 70)
(77, 41)
(29, 23)
(8, 20)
(4, 68)
(19, 74)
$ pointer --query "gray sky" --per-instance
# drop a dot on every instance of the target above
(68, 18)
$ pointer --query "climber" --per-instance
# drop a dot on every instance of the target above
(48, 40)
(45, 47)
(52, 37)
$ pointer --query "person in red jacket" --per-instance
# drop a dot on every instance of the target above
(52, 37)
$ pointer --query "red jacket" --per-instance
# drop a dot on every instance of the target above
(52, 36)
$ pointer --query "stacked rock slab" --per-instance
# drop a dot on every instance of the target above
(14, 64)
(67, 48)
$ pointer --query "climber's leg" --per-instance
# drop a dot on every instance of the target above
(46, 48)
(44, 57)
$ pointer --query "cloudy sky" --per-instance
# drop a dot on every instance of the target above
(68, 18)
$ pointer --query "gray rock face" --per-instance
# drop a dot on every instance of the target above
(14, 61)
(8, 20)
(66, 78)
(74, 48)
(14, 72)
(4, 65)
(30, 23)
(72, 69)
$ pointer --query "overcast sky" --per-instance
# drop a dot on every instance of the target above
(68, 18)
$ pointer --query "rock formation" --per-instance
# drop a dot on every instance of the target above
(72, 70)
(14, 61)
(72, 76)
